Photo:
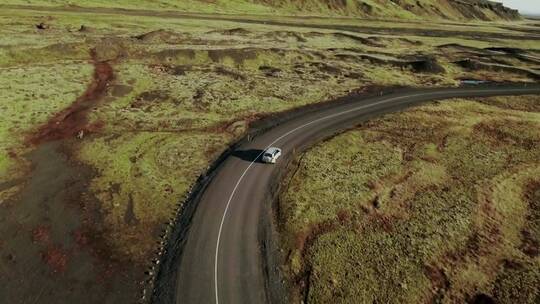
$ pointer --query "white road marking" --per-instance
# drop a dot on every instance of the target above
(303, 126)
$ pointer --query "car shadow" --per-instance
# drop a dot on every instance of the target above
(250, 155)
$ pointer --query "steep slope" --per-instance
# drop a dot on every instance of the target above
(394, 9)
(409, 9)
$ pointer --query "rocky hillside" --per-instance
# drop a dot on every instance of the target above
(394, 9)
(408, 9)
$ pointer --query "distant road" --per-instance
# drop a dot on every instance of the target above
(222, 258)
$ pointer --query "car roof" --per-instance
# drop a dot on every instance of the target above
(272, 150)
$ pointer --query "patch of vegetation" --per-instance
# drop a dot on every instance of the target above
(29, 95)
(433, 204)
(138, 185)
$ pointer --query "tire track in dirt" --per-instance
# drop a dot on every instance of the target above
(73, 119)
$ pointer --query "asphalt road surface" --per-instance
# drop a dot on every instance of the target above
(221, 259)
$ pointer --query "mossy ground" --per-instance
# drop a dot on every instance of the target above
(27, 99)
(432, 204)
(134, 210)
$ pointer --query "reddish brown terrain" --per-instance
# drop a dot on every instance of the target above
(72, 120)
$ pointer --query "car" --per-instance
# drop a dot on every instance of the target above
(271, 155)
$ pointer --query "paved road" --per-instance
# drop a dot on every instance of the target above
(221, 259)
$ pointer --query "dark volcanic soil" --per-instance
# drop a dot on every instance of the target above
(49, 252)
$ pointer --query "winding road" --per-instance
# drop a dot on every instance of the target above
(222, 255)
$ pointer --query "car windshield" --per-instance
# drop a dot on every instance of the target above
(267, 154)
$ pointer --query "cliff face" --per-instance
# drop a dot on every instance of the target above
(407, 9)
(484, 10)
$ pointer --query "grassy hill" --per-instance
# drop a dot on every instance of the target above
(400, 9)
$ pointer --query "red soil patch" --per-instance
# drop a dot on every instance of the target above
(530, 245)
(80, 238)
(56, 258)
(439, 282)
(41, 234)
(529, 235)
(73, 119)
(305, 239)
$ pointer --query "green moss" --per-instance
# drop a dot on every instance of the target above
(527, 104)
(389, 76)
(518, 283)
(419, 206)
(52, 54)
(29, 96)
(354, 165)
(138, 186)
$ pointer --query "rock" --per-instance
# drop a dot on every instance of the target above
(85, 29)
(42, 26)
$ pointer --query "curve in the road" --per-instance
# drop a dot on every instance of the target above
(221, 256)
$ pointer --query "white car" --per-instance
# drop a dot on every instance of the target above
(271, 155)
